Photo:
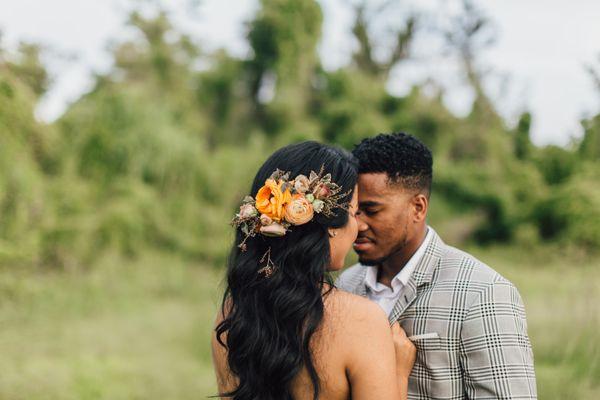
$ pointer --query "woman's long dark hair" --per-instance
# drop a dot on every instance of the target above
(269, 321)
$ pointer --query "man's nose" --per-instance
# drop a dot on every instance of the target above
(362, 225)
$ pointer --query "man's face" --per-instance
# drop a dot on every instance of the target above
(385, 218)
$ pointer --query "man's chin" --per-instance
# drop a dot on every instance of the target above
(370, 262)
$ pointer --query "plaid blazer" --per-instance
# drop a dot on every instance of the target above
(469, 326)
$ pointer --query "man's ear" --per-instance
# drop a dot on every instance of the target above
(420, 206)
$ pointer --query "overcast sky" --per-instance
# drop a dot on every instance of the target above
(537, 62)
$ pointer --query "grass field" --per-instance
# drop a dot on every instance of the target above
(140, 330)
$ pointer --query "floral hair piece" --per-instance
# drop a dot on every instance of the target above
(282, 203)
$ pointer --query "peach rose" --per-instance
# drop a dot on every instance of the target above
(299, 211)
(265, 220)
(248, 211)
(271, 201)
(301, 184)
(273, 230)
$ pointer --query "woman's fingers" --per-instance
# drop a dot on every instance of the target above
(397, 330)
(405, 350)
(401, 341)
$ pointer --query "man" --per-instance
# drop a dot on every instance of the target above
(466, 320)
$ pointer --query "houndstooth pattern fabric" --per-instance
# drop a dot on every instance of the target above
(471, 321)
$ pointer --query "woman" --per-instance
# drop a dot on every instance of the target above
(284, 331)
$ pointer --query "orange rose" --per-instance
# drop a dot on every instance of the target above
(299, 211)
(271, 201)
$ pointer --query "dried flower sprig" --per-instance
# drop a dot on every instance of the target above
(269, 268)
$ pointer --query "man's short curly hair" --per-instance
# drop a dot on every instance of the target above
(404, 158)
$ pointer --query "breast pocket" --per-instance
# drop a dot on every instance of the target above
(426, 341)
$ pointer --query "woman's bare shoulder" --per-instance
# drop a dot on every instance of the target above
(352, 302)
(347, 310)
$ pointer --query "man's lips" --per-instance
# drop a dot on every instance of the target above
(362, 243)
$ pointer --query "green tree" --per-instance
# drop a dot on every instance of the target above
(522, 140)
(364, 58)
(589, 148)
(284, 37)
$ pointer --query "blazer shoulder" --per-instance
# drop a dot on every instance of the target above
(471, 268)
(477, 280)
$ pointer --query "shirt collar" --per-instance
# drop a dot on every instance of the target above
(401, 279)
(371, 280)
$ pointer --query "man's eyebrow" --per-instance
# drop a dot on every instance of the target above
(369, 203)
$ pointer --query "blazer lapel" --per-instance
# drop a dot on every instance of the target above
(409, 295)
(422, 275)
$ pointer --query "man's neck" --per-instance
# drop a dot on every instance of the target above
(396, 262)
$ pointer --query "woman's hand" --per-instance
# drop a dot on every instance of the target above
(406, 352)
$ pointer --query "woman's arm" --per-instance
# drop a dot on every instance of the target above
(226, 382)
(372, 368)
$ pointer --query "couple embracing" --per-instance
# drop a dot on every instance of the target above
(415, 318)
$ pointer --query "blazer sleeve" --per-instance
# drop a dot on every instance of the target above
(343, 281)
(495, 351)
(349, 279)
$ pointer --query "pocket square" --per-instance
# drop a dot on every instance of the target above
(431, 335)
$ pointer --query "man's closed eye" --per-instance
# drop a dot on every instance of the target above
(369, 213)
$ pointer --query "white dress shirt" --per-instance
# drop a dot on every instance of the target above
(387, 296)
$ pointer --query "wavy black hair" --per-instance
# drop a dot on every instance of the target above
(403, 157)
(269, 321)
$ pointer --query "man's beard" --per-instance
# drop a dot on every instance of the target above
(371, 262)
(378, 261)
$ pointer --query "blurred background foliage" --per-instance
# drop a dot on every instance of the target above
(159, 152)
(149, 167)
